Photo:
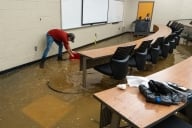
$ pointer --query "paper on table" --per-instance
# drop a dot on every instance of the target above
(135, 81)
(122, 86)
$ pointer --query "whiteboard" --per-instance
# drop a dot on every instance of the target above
(71, 13)
(115, 13)
(80, 13)
(94, 11)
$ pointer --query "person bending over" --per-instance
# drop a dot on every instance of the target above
(61, 38)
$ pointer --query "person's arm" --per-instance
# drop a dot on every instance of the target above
(67, 46)
(70, 51)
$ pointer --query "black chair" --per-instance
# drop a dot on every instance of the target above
(179, 26)
(117, 68)
(153, 53)
(178, 35)
(164, 48)
(172, 41)
(173, 25)
(169, 23)
(139, 56)
(173, 122)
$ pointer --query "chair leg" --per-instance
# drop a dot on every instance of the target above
(130, 70)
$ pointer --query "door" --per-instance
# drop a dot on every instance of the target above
(145, 10)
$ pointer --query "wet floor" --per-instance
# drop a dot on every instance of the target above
(52, 97)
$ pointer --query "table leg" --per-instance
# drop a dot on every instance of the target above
(84, 67)
(115, 122)
(105, 116)
(108, 117)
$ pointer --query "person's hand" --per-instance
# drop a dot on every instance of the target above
(71, 56)
(75, 56)
(74, 52)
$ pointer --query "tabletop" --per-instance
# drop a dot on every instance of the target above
(131, 105)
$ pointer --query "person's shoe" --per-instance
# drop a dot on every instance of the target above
(41, 65)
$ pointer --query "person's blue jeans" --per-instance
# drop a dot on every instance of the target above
(49, 43)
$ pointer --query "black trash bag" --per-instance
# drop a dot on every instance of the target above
(163, 89)
(166, 93)
(159, 87)
(156, 98)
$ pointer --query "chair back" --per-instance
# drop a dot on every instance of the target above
(122, 52)
(144, 45)
(154, 50)
(169, 23)
(164, 47)
(173, 25)
(140, 54)
(178, 32)
(119, 61)
(169, 38)
(157, 42)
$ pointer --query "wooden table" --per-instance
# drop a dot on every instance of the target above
(93, 57)
(130, 104)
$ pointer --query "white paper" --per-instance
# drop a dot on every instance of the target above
(135, 81)
(122, 86)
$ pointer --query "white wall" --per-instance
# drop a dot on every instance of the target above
(186, 10)
(164, 10)
(23, 25)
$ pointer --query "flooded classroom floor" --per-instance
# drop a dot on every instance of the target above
(53, 97)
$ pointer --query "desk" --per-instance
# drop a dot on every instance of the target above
(93, 57)
(130, 104)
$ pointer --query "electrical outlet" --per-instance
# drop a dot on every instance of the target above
(35, 48)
